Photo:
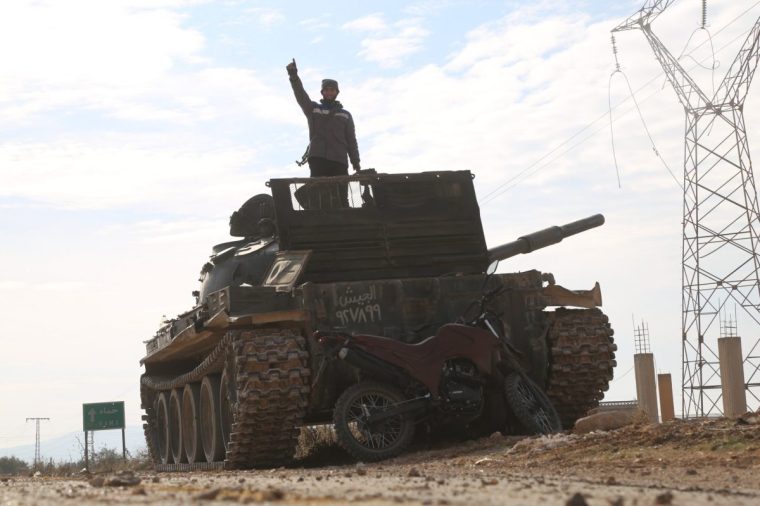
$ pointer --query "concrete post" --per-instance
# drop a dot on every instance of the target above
(646, 388)
(665, 386)
(732, 376)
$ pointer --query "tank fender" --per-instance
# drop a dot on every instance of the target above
(557, 295)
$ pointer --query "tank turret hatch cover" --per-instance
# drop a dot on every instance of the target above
(245, 222)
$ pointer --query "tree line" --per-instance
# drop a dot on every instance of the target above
(104, 460)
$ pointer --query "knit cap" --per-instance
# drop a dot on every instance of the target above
(327, 83)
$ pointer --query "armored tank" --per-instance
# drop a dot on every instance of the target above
(230, 382)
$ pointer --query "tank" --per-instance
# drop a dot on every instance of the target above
(230, 382)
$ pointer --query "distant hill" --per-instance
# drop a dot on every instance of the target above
(68, 447)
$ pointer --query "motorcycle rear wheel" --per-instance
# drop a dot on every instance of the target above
(530, 405)
(378, 441)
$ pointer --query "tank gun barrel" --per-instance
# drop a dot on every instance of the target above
(543, 238)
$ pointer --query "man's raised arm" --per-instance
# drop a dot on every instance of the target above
(295, 82)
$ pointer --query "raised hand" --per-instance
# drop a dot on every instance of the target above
(291, 68)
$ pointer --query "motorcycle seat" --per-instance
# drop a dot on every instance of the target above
(450, 340)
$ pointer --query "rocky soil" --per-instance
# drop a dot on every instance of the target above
(694, 463)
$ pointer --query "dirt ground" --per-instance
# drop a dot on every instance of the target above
(694, 463)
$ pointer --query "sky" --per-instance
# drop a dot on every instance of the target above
(132, 129)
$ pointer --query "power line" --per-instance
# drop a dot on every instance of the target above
(527, 172)
(623, 375)
(643, 122)
(498, 190)
(506, 186)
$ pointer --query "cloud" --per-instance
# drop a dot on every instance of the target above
(370, 23)
(515, 92)
(391, 51)
(266, 16)
(318, 23)
(514, 39)
(100, 174)
(62, 45)
(171, 232)
(138, 62)
(87, 53)
(12, 285)
(426, 7)
(388, 45)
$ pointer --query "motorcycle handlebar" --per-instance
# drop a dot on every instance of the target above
(480, 304)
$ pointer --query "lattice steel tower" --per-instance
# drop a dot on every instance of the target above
(36, 440)
(720, 216)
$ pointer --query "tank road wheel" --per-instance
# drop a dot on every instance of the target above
(251, 418)
(530, 405)
(191, 433)
(211, 431)
(581, 361)
(371, 442)
(175, 427)
(163, 438)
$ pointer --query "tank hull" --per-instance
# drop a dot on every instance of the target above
(555, 345)
(242, 368)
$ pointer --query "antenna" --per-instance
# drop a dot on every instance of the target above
(36, 440)
(721, 216)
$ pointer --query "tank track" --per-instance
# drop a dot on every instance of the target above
(269, 393)
(272, 385)
(147, 398)
(581, 361)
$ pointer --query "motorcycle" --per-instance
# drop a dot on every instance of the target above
(445, 378)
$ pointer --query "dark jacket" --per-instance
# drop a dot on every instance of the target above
(331, 128)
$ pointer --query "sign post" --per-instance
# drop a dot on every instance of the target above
(103, 416)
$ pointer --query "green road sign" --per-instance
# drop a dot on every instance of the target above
(103, 416)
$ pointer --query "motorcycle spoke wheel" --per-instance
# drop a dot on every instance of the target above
(530, 405)
(540, 416)
(378, 440)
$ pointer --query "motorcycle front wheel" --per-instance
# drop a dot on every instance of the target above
(370, 442)
(530, 405)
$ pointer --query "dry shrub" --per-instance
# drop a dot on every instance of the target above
(313, 439)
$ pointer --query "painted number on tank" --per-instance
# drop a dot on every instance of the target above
(358, 307)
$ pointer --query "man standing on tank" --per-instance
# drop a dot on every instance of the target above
(332, 136)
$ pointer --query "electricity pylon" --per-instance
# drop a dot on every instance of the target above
(720, 262)
(36, 440)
